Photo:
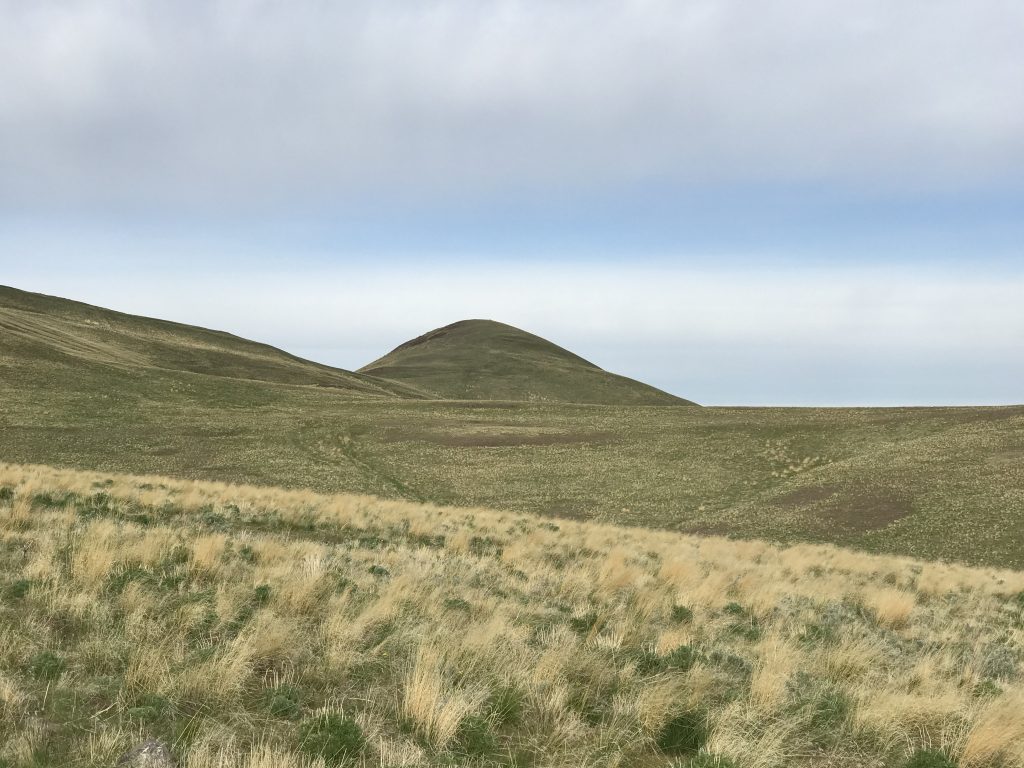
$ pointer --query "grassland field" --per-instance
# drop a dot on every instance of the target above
(255, 627)
(935, 483)
(267, 562)
(88, 388)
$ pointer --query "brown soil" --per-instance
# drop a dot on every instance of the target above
(872, 510)
(858, 511)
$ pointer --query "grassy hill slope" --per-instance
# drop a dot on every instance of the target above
(261, 628)
(62, 333)
(930, 482)
(486, 360)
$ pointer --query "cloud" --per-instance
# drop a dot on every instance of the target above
(232, 104)
(168, 157)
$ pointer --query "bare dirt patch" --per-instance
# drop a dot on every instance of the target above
(854, 510)
(803, 496)
(869, 511)
(474, 433)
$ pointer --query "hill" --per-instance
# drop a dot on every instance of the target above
(60, 333)
(251, 627)
(487, 360)
(936, 483)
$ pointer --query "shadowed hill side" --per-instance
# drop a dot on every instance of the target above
(487, 360)
(53, 331)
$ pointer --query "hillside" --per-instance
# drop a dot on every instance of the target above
(929, 482)
(486, 360)
(60, 333)
(262, 628)
(468, 360)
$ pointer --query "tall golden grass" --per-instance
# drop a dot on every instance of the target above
(201, 612)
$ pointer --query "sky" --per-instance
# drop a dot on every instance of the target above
(786, 202)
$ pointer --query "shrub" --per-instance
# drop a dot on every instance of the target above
(684, 733)
(583, 624)
(749, 632)
(149, 708)
(457, 604)
(285, 701)
(475, 737)
(681, 614)
(212, 519)
(202, 629)
(54, 500)
(261, 594)
(648, 662)
(333, 737)
(830, 711)
(122, 576)
(745, 626)
(46, 665)
(178, 555)
(817, 633)
(929, 758)
(736, 665)
(16, 590)
(999, 662)
(681, 658)
(506, 705)
(985, 689)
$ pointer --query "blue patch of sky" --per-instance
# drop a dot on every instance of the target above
(773, 225)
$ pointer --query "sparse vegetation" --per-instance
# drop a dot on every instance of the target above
(252, 627)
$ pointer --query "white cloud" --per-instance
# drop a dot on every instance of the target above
(230, 102)
(298, 110)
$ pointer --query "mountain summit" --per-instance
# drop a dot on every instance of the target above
(488, 360)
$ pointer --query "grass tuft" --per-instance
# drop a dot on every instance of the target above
(684, 733)
(332, 737)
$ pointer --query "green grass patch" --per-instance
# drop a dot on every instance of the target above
(332, 737)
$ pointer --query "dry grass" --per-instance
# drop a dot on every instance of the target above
(997, 732)
(435, 706)
(892, 607)
(231, 620)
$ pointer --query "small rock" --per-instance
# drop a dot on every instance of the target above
(149, 754)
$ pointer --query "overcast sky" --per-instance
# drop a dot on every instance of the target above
(787, 201)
